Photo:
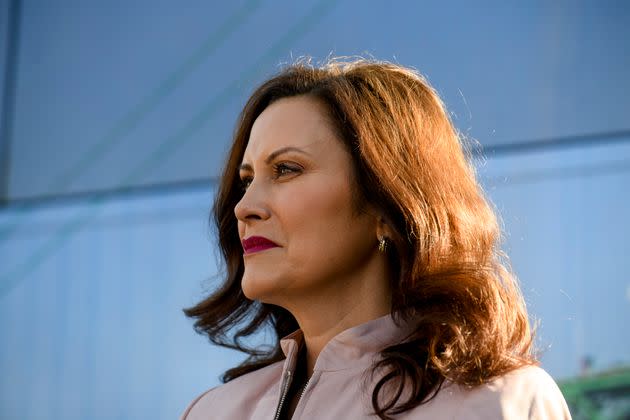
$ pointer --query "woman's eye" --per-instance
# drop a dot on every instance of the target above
(245, 182)
(285, 169)
(279, 170)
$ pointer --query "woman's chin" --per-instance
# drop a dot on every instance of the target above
(259, 289)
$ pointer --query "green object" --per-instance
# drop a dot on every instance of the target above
(601, 396)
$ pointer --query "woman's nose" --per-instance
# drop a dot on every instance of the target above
(253, 205)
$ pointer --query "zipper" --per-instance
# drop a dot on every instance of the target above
(302, 392)
(304, 389)
(285, 389)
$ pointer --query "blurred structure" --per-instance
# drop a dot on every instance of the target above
(602, 396)
(115, 120)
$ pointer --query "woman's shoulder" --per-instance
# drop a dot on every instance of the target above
(238, 394)
(525, 393)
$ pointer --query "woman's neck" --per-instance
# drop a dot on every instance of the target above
(345, 303)
(318, 335)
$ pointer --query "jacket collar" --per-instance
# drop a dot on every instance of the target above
(356, 346)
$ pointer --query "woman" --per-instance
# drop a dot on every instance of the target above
(353, 228)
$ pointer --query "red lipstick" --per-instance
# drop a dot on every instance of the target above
(257, 244)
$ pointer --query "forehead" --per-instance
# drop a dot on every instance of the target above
(299, 121)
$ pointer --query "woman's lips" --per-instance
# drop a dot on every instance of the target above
(256, 244)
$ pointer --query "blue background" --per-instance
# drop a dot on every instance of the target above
(138, 99)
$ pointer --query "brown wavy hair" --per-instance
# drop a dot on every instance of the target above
(450, 278)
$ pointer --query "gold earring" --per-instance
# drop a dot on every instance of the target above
(382, 244)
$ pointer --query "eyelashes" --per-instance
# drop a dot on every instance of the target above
(245, 181)
(279, 170)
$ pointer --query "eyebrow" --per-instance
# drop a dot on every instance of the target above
(274, 155)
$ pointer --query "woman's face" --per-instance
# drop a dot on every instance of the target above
(301, 232)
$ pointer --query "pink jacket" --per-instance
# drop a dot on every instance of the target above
(337, 388)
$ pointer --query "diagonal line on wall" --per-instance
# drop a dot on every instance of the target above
(142, 109)
(13, 277)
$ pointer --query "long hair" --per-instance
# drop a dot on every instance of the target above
(450, 279)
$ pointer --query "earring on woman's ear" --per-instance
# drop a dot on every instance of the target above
(382, 244)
